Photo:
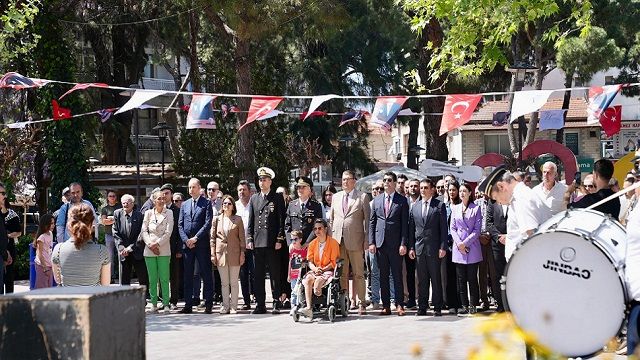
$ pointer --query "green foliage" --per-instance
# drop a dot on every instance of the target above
(478, 33)
(21, 263)
(15, 40)
(585, 56)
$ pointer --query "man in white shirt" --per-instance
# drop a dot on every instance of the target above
(246, 270)
(632, 274)
(526, 210)
(550, 191)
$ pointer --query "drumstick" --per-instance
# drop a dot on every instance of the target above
(618, 194)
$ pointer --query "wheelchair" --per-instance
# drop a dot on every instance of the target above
(332, 302)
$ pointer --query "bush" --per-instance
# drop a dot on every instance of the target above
(21, 263)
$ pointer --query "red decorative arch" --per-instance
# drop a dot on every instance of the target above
(489, 159)
(563, 153)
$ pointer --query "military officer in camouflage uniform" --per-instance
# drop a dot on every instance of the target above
(265, 236)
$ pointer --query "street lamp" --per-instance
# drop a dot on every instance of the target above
(416, 149)
(519, 71)
(347, 140)
(163, 131)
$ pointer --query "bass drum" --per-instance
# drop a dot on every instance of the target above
(565, 284)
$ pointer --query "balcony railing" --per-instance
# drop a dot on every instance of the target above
(157, 84)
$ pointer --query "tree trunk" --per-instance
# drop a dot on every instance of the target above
(513, 141)
(244, 154)
(566, 100)
(539, 76)
(414, 125)
(193, 54)
(436, 145)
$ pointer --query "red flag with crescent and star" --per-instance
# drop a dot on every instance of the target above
(458, 110)
(60, 113)
(261, 106)
(611, 120)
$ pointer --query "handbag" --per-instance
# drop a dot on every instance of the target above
(485, 238)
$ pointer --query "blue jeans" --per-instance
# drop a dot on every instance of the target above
(294, 294)
(633, 335)
(374, 280)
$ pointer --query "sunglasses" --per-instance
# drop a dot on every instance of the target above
(212, 189)
(378, 188)
(178, 200)
(589, 186)
(317, 228)
(227, 203)
(387, 180)
(439, 187)
(111, 196)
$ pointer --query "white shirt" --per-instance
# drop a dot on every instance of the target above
(632, 261)
(425, 206)
(525, 213)
(243, 212)
(553, 199)
(321, 248)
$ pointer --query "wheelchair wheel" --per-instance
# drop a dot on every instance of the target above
(331, 313)
(296, 316)
(343, 302)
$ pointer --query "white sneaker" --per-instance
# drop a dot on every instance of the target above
(224, 310)
(166, 309)
(152, 310)
(292, 311)
(233, 311)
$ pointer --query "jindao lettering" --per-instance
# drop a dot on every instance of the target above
(567, 269)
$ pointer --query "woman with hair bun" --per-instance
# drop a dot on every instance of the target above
(79, 261)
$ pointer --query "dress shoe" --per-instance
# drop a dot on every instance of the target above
(452, 311)
(400, 310)
(485, 306)
(437, 313)
(246, 307)
(208, 309)
(411, 305)
(286, 304)
(186, 310)
(362, 310)
(385, 311)
(421, 312)
(259, 310)
(472, 310)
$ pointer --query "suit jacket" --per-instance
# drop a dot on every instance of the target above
(195, 220)
(496, 223)
(330, 253)
(176, 243)
(266, 219)
(352, 227)
(228, 245)
(128, 238)
(428, 232)
(392, 229)
(466, 228)
(157, 228)
(296, 219)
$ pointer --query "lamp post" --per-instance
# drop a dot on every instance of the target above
(163, 131)
(416, 149)
(347, 140)
(519, 71)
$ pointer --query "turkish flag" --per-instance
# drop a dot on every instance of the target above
(611, 120)
(60, 113)
(458, 110)
(83, 86)
(261, 106)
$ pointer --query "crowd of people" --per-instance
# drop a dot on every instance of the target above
(420, 244)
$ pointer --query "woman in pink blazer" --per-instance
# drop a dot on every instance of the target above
(466, 225)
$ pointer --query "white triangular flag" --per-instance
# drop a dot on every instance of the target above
(138, 99)
(316, 101)
(525, 102)
(270, 114)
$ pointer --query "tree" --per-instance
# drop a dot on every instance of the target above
(585, 56)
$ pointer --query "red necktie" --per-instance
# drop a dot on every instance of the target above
(345, 203)
(387, 205)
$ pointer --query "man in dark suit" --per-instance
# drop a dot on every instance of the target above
(428, 244)
(194, 226)
(388, 237)
(176, 247)
(497, 227)
(126, 229)
(302, 212)
(266, 236)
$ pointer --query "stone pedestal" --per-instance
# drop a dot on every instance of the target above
(73, 323)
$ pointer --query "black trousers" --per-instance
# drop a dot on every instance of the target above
(247, 280)
(429, 273)
(203, 257)
(468, 275)
(217, 283)
(9, 277)
(283, 255)
(410, 265)
(175, 278)
(450, 282)
(499, 261)
(267, 257)
(389, 259)
(129, 264)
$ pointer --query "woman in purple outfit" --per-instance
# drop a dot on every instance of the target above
(466, 225)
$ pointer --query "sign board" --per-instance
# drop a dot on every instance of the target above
(585, 164)
(627, 140)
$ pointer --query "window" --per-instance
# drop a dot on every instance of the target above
(497, 143)
(571, 140)
(609, 80)
(577, 82)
